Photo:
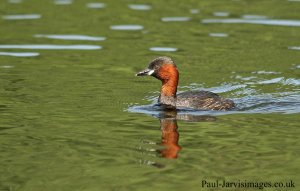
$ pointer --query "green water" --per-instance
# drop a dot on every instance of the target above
(70, 119)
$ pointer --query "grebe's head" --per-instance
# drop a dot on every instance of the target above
(162, 68)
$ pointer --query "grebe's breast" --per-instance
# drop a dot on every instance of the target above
(203, 100)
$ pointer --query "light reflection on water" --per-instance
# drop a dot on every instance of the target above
(254, 21)
(221, 14)
(194, 11)
(163, 49)
(15, 1)
(22, 17)
(70, 37)
(7, 66)
(139, 7)
(294, 47)
(63, 2)
(218, 34)
(19, 54)
(96, 5)
(272, 81)
(127, 27)
(175, 19)
(254, 17)
(50, 47)
(296, 67)
(266, 72)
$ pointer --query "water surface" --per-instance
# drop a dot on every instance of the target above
(96, 5)
(21, 17)
(76, 118)
(255, 21)
(139, 7)
(70, 37)
(19, 54)
(175, 19)
(163, 49)
(127, 27)
(50, 47)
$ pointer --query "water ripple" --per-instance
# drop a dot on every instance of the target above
(163, 49)
(21, 17)
(294, 47)
(221, 14)
(266, 72)
(15, 1)
(70, 37)
(264, 103)
(247, 99)
(175, 19)
(218, 34)
(271, 81)
(140, 7)
(255, 21)
(63, 2)
(127, 27)
(20, 54)
(7, 67)
(258, 80)
(96, 5)
(194, 11)
(50, 47)
(254, 17)
(296, 67)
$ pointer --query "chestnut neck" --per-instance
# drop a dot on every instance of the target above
(169, 77)
(169, 87)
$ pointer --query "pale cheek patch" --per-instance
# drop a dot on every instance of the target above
(150, 72)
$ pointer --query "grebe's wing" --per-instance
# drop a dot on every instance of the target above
(203, 100)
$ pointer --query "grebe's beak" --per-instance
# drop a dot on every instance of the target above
(146, 72)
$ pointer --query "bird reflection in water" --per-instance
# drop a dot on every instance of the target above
(170, 134)
(169, 138)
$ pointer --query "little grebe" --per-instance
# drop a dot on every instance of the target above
(164, 69)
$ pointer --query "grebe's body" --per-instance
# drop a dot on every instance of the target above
(164, 69)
